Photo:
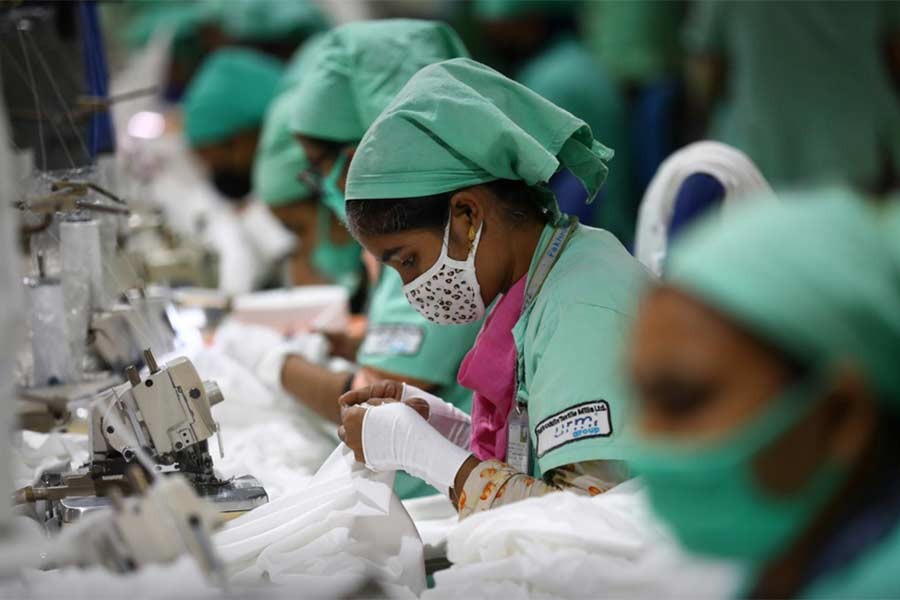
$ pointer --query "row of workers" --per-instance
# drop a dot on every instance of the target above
(760, 397)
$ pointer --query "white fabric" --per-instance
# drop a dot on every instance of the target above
(346, 525)
(448, 292)
(395, 437)
(452, 423)
(271, 240)
(731, 167)
(567, 546)
(263, 350)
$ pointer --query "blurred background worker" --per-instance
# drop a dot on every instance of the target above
(804, 88)
(224, 108)
(325, 252)
(766, 370)
(538, 45)
(350, 74)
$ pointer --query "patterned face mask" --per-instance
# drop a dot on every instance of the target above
(448, 293)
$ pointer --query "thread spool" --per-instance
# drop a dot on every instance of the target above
(52, 362)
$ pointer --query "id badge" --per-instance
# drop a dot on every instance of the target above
(518, 440)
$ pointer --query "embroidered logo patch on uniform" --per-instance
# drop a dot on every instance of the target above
(404, 340)
(576, 423)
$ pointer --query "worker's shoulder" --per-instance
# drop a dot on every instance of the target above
(595, 269)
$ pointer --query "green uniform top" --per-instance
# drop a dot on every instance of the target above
(636, 41)
(401, 341)
(809, 96)
(567, 75)
(872, 575)
(569, 344)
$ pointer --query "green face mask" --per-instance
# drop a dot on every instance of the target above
(710, 497)
(331, 193)
(340, 263)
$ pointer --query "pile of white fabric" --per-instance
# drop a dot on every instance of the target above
(568, 546)
(344, 532)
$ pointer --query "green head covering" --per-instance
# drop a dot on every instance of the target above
(358, 69)
(279, 158)
(271, 20)
(459, 123)
(298, 65)
(810, 274)
(180, 17)
(500, 10)
(229, 94)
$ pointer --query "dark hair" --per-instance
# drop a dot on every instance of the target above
(520, 202)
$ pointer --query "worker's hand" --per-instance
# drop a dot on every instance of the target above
(350, 431)
(381, 392)
(343, 345)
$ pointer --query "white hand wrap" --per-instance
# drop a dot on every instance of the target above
(452, 423)
(395, 436)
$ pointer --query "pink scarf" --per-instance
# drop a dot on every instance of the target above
(489, 370)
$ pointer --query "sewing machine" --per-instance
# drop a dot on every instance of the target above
(168, 418)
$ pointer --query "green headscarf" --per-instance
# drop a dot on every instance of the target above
(279, 158)
(298, 65)
(460, 123)
(181, 17)
(229, 94)
(271, 20)
(810, 274)
(358, 69)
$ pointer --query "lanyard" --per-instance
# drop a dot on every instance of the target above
(552, 252)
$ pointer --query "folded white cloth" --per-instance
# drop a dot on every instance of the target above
(346, 525)
(567, 546)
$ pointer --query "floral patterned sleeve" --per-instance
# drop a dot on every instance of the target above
(494, 483)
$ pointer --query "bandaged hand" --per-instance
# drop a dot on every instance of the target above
(448, 420)
(393, 436)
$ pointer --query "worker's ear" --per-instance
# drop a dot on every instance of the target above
(853, 410)
(466, 216)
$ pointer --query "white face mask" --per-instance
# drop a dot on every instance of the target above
(448, 293)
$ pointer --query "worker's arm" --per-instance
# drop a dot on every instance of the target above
(394, 436)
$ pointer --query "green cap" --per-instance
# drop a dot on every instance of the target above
(279, 158)
(358, 69)
(271, 20)
(811, 275)
(229, 94)
(460, 123)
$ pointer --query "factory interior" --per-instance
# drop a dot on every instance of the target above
(450, 299)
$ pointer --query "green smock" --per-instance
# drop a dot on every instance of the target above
(809, 95)
(635, 41)
(400, 340)
(230, 94)
(872, 575)
(569, 343)
(567, 75)
(359, 67)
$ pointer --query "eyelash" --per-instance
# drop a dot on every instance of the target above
(408, 262)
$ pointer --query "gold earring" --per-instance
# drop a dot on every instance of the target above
(471, 237)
